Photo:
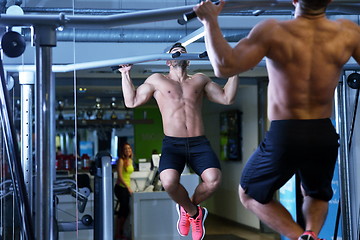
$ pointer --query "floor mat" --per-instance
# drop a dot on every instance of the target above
(222, 237)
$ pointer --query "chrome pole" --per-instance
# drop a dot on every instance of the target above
(13, 153)
(44, 128)
(122, 19)
(27, 81)
(108, 208)
(103, 185)
(344, 165)
(111, 62)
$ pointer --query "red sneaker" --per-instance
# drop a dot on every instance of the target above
(183, 223)
(197, 224)
(309, 235)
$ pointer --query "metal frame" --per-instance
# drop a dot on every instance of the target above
(13, 153)
(45, 31)
(343, 159)
(27, 81)
(111, 62)
(117, 20)
(44, 131)
(103, 203)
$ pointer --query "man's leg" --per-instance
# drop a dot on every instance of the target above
(272, 214)
(170, 179)
(315, 212)
(211, 179)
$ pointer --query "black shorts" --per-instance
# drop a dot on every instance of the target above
(306, 147)
(196, 151)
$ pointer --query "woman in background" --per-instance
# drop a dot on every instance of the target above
(123, 189)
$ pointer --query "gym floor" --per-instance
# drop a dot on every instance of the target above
(218, 228)
(215, 225)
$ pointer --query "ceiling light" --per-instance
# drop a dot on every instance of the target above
(82, 89)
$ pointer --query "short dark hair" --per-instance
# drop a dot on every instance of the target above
(313, 4)
(177, 45)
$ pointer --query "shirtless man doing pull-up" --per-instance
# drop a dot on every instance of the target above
(304, 59)
(179, 97)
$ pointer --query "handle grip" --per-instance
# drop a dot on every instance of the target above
(203, 55)
(191, 15)
(115, 68)
(176, 54)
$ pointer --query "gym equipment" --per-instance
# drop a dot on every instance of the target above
(243, 4)
(116, 20)
(45, 30)
(353, 80)
(103, 201)
(87, 220)
(13, 44)
(13, 153)
(138, 59)
(68, 186)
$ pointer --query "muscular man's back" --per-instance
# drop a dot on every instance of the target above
(304, 64)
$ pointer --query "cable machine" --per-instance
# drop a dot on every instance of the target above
(45, 39)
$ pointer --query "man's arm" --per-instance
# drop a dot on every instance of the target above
(134, 97)
(226, 60)
(225, 95)
(356, 52)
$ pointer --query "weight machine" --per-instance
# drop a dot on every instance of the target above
(45, 31)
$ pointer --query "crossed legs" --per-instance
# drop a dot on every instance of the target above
(170, 180)
(279, 219)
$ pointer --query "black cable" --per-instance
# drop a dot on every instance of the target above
(337, 221)
(354, 117)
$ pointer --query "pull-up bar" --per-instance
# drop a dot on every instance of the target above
(116, 20)
(45, 84)
(111, 62)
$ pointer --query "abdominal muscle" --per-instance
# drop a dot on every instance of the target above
(182, 120)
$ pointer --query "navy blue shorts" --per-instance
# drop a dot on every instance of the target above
(194, 151)
(306, 147)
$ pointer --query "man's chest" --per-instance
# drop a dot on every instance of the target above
(181, 90)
